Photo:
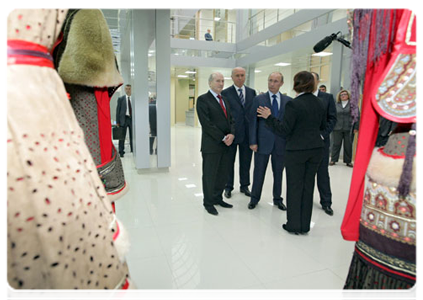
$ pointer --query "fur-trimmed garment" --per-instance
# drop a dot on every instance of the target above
(86, 62)
(88, 58)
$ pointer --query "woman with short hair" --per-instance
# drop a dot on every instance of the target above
(343, 130)
(304, 118)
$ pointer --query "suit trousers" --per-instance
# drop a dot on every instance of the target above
(260, 166)
(215, 174)
(244, 157)
(323, 179)
(338, 137)
(301, 169)
(128, 125)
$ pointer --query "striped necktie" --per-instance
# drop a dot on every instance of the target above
(241, 97)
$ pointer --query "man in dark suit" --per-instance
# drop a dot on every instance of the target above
(265, 142)
(124, 117)
(218, 129)
(323, 180)
(240, 98)
(152, 117)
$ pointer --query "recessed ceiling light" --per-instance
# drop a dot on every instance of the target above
(190, 72)
(257, 71)
(182, 76)
(217, 19)
(282, 64)
(227, 78)
(322, 54)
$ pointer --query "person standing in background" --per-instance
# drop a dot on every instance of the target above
(124, 117)
(217, 134)
(265, 142)
(322, 88)
(240, 98)
(208, 36)
(152, 117)
(344, 129)
(323, 179)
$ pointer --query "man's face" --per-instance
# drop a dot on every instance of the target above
(238, 77)
(274, 83)
(322, 89)
(216, 85)
(128, 90)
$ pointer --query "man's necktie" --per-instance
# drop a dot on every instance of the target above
(275, 109)
(130, 106)
(241, 97)
(223, 106)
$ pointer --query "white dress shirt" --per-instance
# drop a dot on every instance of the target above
(127, 105)
(217, 99)
(242, 88)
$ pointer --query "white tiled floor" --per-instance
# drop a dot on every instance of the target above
(176, 244)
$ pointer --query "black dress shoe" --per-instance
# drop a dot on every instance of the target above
(211, 210)
(294, 232)
(121, 155)
(328, 210)
(227, 194)
(281, 206)
(224, 204)
(246, 191)
(251, 205)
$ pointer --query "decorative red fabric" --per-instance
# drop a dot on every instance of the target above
(104, 126)
(19, 59)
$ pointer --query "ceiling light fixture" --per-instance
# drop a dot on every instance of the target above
(322, 54)
(282, 64)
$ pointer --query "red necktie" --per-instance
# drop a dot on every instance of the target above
(221, 104)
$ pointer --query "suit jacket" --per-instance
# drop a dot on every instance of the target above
(344, 118)
(121, 110)
(260, 133)
(214, 124)
(305, 118)
(240, 113)
(329, 104)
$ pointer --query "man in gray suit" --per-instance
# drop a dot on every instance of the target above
(124, 117)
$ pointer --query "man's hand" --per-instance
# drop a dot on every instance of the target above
(263, 112)
(254, 147)
(117, 124)
(229, 139)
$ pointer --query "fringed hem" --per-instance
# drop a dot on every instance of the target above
(363, 275)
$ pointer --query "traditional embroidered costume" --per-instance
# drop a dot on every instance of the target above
(61, 229)
(381, 209)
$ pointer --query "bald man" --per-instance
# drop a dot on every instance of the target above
(240, 98)
(217, 135)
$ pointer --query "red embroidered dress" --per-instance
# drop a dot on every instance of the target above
(378, 216)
